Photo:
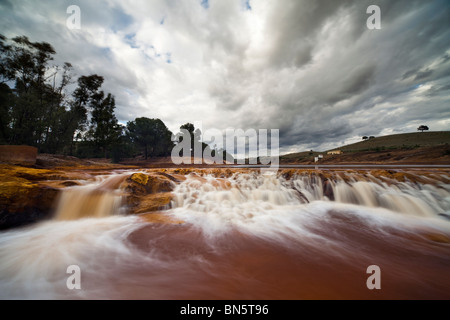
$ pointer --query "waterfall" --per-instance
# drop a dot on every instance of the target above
(100, 198)
(268, 190)
(249, 192)
(273, 207)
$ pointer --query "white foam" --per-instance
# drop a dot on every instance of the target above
(34, 260)
(270, 206)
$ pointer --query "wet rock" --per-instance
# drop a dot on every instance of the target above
(23, 202)
(328, 190)
(159, 218)
(221, 173)
(148, 192)
(143, 184)
(34, 175)
(139, 178)
(445, 215)
(25, 173)
(150, 203)
(69, 183)
(288, 173)
(29, 195)
(174, 178)
(438, 237)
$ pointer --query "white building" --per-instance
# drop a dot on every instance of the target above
(334, 152)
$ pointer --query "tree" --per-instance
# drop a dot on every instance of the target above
(84, 98)
(26, 63)
(36, 109)
(197, 144)
(104, 129)
(31, 108)
(59, 118)
(6, 96)
(189, 127)
(195, 136)
(151, 135)
(102, 133)
(423, 128)
(141, 133)
(164, 144)
(365, 138)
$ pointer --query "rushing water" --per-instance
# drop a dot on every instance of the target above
(101, 198)
(249, 236)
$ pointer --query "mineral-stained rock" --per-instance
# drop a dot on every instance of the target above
(11, 187)
(28, 195)
(23, 202)
(159, 218)
(140, 178)
(150, 202)
(32, 174)
(143, 184)
(437, 237)
(148, 192)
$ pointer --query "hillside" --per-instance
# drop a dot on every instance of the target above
(401, 141)
(426, 147)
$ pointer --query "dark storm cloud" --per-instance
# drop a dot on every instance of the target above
(423, 74)
(436, 90)
(309, 68)
(293, 27)
(410, 42)
(353, 84)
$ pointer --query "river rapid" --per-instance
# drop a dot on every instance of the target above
(245, 236)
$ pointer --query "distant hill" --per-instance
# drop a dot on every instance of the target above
(396, 147)
(400, 141)
(300, 156)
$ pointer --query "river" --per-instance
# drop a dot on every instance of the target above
(246, 236)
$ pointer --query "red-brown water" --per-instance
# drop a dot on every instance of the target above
(253, 237)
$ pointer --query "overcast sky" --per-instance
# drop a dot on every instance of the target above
(311, 69)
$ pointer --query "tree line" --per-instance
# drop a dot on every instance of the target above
(39, 108)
